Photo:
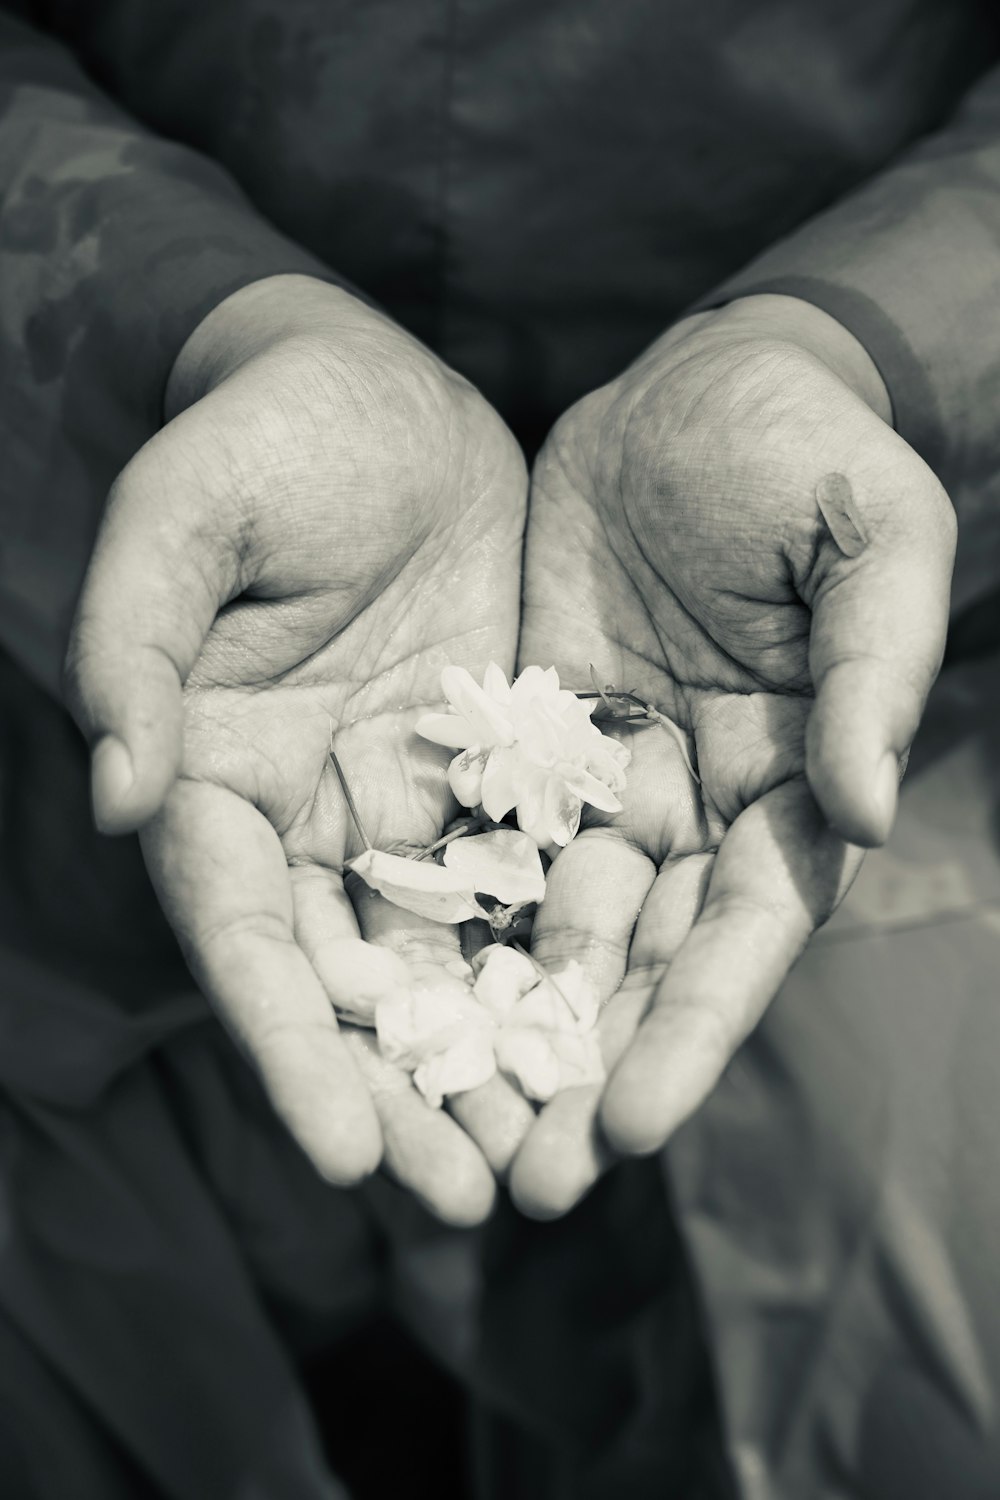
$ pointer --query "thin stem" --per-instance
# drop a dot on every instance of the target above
(543, 973)
(448, 838)
(652, 714)
(600, 691)
(671, 728)
(352, 806)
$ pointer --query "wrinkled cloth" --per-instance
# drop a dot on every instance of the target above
(536, 188)
(838, 1202)
(840, 1192)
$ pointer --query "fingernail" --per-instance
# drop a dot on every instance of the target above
(887, 790)
(111, 779)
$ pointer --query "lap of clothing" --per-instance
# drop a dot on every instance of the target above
(839, 1194)
(166, 1255)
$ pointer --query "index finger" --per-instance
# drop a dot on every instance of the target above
(780, 872)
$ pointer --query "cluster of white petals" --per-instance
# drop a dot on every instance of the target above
(528, 745)
(453, 1034)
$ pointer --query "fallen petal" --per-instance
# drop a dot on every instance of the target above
(544, 1007)
(528, 1056)
(579, 993)
(419, 886)
(415, 1024)
(464, 1065)
(504, 864)
(503, 977)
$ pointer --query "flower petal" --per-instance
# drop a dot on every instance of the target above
(607, 759)
(503, 977)
(419, 886)
(446, 729)
(540, 737)
(414, 1024)
(528, 1056)
(553, 817)
(575, 987)
(496, 685)
(544, 1007)
(465, 776)
(588, 788)
(534, 682)
(503, 863)
(501, 786)
(464, 1065)
(490, 722)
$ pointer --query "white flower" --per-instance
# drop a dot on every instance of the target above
(452, 1036)
(503, 975)
(438, 1031)
(528, 745)
(503, 864)
(544, 1062)
(478, 725)
(547, 1039)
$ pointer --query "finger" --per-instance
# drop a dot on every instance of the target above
(877, 640)
(566, 1152)
(779, 872)
(220, 873)
(495, 1115)
(593, 894)
(156, 579)
(355, 975)
(425, 1150)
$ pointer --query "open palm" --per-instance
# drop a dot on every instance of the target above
(304, 548)
(675, 543)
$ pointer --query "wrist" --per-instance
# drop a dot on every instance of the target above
(251, 321)
(794, 320)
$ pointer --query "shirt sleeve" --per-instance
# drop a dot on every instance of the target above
(910, 264)
(114, 244)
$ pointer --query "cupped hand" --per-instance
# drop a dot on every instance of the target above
(733, 532)
(328, 518)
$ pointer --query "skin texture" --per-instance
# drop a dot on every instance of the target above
(704, 577)
(329, 516)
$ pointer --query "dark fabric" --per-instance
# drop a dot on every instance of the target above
(535, 189)
(909, 263)
(591, 1372)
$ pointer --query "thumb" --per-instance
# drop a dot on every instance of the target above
(157, 576)
(880, 616)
